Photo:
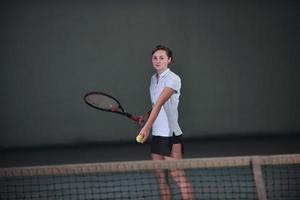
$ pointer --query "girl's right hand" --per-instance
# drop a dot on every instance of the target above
(142, 119)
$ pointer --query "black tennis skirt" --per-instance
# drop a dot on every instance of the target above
(163, 145)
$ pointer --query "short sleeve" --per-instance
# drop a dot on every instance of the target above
(174, 83)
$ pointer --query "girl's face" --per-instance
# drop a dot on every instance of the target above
(160, 60)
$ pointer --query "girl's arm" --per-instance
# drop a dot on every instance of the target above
(163, 97)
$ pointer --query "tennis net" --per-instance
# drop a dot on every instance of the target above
(253, 177)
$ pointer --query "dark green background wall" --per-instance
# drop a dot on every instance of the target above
(239, 63)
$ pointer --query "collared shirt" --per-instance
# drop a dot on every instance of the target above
(166, 122)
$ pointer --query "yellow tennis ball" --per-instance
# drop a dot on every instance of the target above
(139, 138)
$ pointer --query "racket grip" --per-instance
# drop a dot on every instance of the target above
(135, 118)
(132, 117)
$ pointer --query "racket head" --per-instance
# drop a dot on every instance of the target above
(103, 101)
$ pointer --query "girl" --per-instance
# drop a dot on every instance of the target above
(163, 119)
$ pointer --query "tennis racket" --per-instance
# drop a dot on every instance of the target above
(105, 102)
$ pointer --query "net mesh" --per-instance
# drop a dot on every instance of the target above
(282, 181)
(256, 177)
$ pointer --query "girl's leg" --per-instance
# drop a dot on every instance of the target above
(179, 176)
(162, 180)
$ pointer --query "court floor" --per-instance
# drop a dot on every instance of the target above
(108, 152)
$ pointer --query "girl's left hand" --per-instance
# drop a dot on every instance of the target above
(144, 133)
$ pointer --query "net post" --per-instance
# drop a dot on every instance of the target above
(256, 163)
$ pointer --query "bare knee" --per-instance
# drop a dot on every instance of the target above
(178, 176)
(160, 175)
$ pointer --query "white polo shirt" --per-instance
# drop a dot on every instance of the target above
(166, 122)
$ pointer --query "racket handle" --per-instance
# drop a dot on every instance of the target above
(141, 120)
(135, 118)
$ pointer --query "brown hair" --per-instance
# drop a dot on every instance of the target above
(164, 48)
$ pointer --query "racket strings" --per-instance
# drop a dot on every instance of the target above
(103, 102)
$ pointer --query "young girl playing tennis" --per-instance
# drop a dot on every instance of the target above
(166, 134)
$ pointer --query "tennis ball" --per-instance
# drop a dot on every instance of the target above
(139, 138)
